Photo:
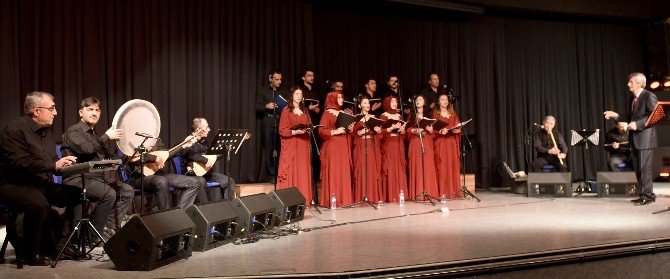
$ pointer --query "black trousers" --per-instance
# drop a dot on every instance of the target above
(541, 161)
(101, 192)
(614, 162)
(35, 202)
(270, 141)
(227, 184)
(189, 188)
(642, 160)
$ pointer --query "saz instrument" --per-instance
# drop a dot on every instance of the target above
(152, 168)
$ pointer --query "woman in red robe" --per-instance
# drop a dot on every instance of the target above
(447, 149)
(394, 163)
(418, 164)
(335, 155)
(294, 160)
(367, 157)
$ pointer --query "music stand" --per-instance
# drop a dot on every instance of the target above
(585, 138)
(225, 141)
(84, 226)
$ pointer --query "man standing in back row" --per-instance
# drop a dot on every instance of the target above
(268, 111)
(642, 138)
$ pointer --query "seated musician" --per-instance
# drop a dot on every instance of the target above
(27, 163)
(616, 144)
(81, 140)
(195, 155)
(187, 188)
(550, 147)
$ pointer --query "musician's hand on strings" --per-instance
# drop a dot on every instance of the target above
(247, 136)
(65, 162)
(632, 126)
(615, 145)
(160, 163)
(610, 115)
(114, 134)
(270, 105)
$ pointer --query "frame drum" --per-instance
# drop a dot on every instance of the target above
(137, 116)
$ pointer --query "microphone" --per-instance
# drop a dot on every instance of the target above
(538, 125)
(144, 135)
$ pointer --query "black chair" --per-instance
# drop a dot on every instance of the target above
(12, 235)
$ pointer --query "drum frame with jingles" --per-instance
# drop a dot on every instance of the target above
(140, 118)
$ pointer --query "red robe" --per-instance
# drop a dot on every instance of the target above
(370, 169)
(335, 163)
(447, 159)
(294, 160)
(394, 164)
(416, 181)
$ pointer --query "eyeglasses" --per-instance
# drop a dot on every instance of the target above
(51, 108)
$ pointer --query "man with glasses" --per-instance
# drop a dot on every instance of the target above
(194, 154)
(28, 161)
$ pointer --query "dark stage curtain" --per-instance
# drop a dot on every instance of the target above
(207, 58)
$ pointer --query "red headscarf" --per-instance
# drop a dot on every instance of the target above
(387, 104)
(331, 101)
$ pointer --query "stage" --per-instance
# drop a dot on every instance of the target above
(503, 231)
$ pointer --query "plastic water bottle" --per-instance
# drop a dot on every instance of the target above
(333, 201)
(401, 200)
(443, 198)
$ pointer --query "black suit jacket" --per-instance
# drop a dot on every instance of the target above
(644, 137)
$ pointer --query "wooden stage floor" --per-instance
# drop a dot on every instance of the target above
(364, 239)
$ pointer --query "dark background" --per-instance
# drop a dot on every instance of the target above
(512, 61)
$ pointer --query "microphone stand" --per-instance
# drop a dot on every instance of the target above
(312, 137)
(365, 152)
(423, 194)
(464, 190)
(274, 137)
(142, 150)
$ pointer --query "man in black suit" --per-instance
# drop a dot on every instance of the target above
(269, 112)
(642, 138)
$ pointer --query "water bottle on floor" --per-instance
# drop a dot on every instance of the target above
(401, 200)
(333, 201)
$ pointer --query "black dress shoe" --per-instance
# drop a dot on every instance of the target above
(636, 200)
(645, 202)
(38, 261)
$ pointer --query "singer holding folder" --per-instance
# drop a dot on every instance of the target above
(394, 163)
(447, 148)
(335, 154)
(421, 166)
(367, 156)
(294, 162)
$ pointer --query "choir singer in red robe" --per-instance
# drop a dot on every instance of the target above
(335, 155)
(447, 148)
(394, 163)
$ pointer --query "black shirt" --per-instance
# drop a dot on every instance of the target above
(27, 153)
(315, 95)
(542, 143)
(82, 141)
(193, 154)
(430, 95)
(265, 96)
(614, 135)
